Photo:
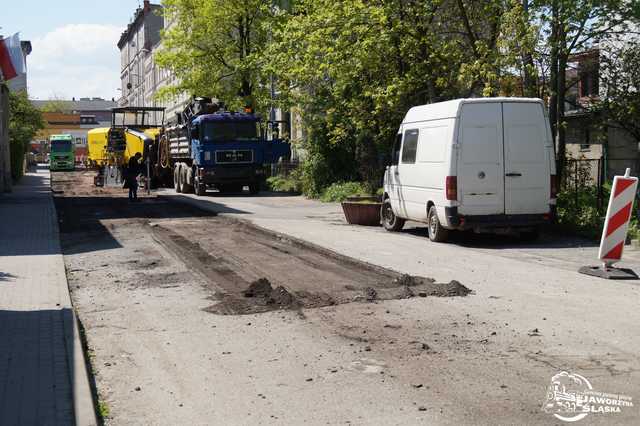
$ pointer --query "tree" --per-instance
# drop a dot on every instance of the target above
(620, 79)
(216, 49)
(570, 27)
(55, 104)
(355, 67)
(24, 122)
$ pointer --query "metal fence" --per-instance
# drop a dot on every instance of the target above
(284, 168)
(580, 174)
(584, 173)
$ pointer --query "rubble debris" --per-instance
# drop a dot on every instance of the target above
(261, 287)
(281, 297)
(406, 280)
(370, 294)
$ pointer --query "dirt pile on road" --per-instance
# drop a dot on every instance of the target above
(408, 286)
(258, 288)
(278, 296)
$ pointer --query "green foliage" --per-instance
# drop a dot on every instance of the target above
(291, 183)
(24, 122)
(55, 105)
(216, 48)
(620, 73)
(341, 190)
(581, 215)
(103, 409)
(354, 68)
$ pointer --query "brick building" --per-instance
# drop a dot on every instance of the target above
(74, 117)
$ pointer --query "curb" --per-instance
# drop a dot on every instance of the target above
(83, 403)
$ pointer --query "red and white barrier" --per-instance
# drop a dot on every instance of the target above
(616, 224)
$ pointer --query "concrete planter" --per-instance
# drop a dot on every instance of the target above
(362, 212)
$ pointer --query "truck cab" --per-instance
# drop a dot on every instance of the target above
(223, 149)
(62, 155)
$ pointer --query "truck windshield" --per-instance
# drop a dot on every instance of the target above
(60, 146)
(221, 131)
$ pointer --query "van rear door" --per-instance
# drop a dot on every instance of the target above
(480, 161)
(527, 176)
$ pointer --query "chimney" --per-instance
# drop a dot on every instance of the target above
(147, 5)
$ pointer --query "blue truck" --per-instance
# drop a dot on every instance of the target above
(210, 147)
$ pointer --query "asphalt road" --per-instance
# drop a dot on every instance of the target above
(584, 325)
(161, 357)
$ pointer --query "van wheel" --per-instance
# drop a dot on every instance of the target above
(436, 232)
(390, 221)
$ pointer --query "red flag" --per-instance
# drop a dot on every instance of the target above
(11, 57)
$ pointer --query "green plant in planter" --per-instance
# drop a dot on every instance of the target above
(339, 192)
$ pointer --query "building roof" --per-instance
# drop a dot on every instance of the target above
(138, 17)
(84, 104)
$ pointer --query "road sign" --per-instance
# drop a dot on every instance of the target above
(614, 233)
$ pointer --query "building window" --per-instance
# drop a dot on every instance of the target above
(586, 146)
(589, 86)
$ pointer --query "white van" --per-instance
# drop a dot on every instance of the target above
(484, 164)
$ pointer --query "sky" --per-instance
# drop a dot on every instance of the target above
(74, 44)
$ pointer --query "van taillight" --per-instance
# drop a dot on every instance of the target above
(554, 186)
(451, 188)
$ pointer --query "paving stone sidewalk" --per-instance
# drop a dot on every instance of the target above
(43, 378)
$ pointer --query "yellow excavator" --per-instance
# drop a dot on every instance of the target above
(133, 130)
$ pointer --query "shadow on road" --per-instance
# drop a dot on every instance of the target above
(83, 221)
(203, 203)
(500, 241)
(240, 195)
(37, 367)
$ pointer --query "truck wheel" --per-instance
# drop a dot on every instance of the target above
(390, 221)
(200, 189)
(530, 236)
(186, 187)
(436, 232)
(177, 180)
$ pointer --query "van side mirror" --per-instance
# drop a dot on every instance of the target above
(194, 133)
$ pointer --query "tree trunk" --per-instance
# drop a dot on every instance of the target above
(530, 89)
(553, 70)
(561, 90)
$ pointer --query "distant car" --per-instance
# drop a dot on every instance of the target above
(482, 164)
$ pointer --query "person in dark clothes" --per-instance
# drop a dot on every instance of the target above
(131, 180)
